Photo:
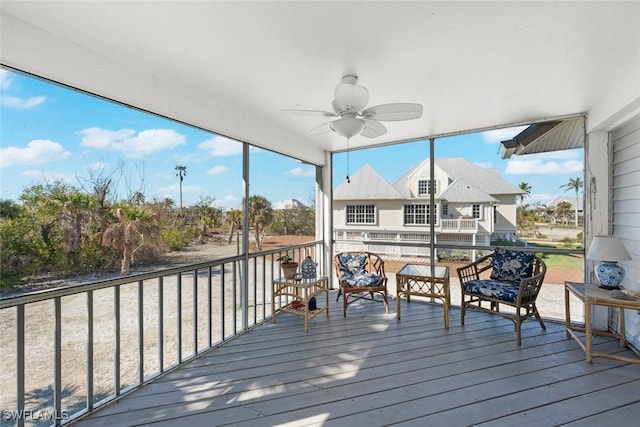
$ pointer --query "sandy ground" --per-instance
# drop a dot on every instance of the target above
(40, 325)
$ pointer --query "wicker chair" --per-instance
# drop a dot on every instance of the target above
(360, 276)
(515, 280)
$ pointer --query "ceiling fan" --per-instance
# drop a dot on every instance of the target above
(348, 105)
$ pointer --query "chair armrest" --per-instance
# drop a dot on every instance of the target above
(530, 287)
(377, 266)
(472, 271)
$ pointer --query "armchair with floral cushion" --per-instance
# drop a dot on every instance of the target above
(360, 276)
(514, 279)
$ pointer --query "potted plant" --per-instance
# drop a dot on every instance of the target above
(288, 265)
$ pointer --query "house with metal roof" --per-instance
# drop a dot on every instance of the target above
(473, 205)
(553, 205)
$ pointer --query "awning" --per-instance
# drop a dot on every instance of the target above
(544, 137)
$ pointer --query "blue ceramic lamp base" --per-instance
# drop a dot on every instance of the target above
(609, 274)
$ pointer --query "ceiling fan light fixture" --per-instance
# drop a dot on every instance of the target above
(348, 126)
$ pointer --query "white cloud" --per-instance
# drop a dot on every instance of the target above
(14, 101)
(310, 172)
(22, 103)
(230, 198)
(220, 146)
(217, 170)
(5, 79)
(498, 135)
(175, 188)
(36, 152)
(97, 166)
(131, 144)
(540, 166)
(541, 196)
(103, 138)
(49, 176)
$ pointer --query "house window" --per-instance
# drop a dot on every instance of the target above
(495, 214)
(361, 214)
(476, 212)
(426, 186)
(445, 209)
(416, 214)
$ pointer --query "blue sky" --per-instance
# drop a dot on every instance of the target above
(52, 133)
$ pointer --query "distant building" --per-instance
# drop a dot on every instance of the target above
(473, 205)
(572, 201)
(290, 204)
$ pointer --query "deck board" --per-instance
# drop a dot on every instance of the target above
(371, 369)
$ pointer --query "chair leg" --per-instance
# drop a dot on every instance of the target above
(344, 304)
(535, 312)
(339, 293)
(518, 322)
(463, 308)
(386, 302)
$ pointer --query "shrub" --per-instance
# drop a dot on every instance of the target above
(567, 242)
(174, 238)
(454, 255)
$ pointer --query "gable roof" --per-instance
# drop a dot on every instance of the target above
(461, 191)
(366, 183)
(571, 200)
(486, 180)
(289, 204)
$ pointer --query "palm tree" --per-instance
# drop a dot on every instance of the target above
(234, 219)
(134, 222)
(562, 211)
(526, 188)
(574, 184)
(260, 215)
(182, 172)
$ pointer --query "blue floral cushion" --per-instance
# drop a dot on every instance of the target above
(352, 267)
(493, 288)
(361, 279)
(511, 266)
(352, 264)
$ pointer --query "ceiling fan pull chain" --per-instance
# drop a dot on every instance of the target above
(348, 155)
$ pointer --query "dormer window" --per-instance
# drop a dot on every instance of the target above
(426, 187)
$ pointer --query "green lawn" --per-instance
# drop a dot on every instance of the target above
(560, 260)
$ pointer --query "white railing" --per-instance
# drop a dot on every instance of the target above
(459, 224)
(103, 339)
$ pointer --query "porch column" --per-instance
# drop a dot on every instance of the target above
(324, 214)
(597, 206)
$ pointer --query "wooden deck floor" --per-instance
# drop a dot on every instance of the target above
(372, 370)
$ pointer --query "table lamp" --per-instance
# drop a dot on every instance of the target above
(609, 250)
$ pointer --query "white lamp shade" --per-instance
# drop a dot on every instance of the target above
(348, 126)
(608, 248)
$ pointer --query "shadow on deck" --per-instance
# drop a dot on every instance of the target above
(370, 369)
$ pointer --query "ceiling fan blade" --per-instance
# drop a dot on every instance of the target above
(309, 113)
(351, 96)
(323, 128)
(394, 112)
(373, 128)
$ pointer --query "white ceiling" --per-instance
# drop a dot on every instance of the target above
(230, 67)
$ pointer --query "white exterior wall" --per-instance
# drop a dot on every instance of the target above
(388, 213)
(507, 210)
(339, 213)
(626, 211)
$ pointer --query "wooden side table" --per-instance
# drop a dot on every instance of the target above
(592, 295)
(425, 281)
(301, 291)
